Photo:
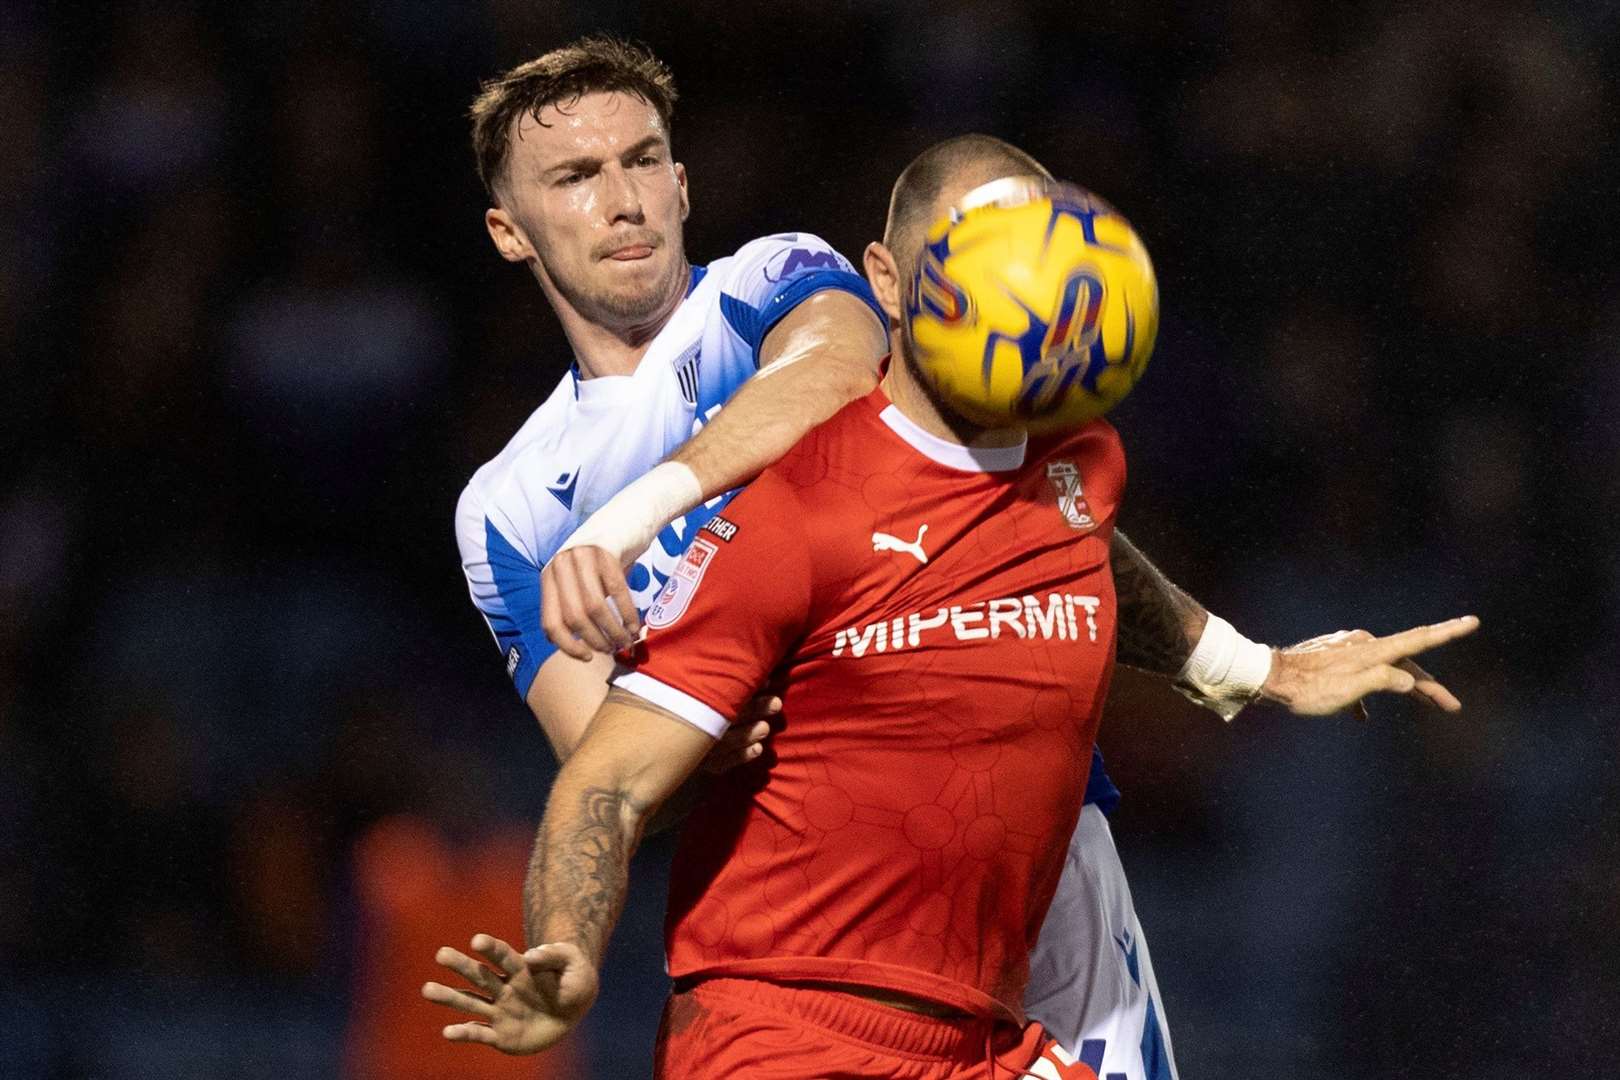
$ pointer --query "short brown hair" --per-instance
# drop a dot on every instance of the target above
(590, 65)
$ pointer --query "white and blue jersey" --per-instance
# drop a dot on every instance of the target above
(592, 437)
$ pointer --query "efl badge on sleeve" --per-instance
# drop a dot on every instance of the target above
(682, 583)
(1065, 480)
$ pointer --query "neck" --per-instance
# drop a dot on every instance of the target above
(602, 348)
(922, 407)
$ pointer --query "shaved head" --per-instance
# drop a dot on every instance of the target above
(940, 176)
(934, 182)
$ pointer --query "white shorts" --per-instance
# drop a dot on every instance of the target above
(1091, 982)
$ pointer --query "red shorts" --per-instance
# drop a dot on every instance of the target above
(728, 1028)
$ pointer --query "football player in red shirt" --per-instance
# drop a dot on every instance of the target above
(938, 615)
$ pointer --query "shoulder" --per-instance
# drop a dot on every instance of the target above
(524, 493)
(1097, 441)
(768, 504)
(1087, 463)
(771, 260)
(769, 277)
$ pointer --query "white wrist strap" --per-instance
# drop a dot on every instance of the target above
(627, 523)
(1226, 671)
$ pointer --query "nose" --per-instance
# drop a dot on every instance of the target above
(621, 199)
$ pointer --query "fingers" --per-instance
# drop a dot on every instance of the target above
(557, 596)
(1428, 688)
(742, 743)
(564, 977)
(499, 954)
(576, 607)
(468, 968)
(553, 957)
(599, 622)
(1382, 678)
(1419, 639)
(585, 603)
(765, 705)
(618, 594)
(472, 1033)
(440, 994)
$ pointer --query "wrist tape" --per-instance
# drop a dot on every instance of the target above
(629, 521)
(1226, 670)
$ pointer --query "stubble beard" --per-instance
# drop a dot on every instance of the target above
(622, 309)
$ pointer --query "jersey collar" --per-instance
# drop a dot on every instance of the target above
(609, 388)
(954, 455)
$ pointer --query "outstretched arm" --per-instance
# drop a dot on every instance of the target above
(633, 757)
(820, 357)
(1164, 631)
(1159, 625)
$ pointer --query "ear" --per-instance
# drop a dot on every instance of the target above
(686, 200)
(507, 235)
(884, 274)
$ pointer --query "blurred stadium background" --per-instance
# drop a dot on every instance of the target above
(258, 756)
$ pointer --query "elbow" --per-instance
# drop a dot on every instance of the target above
(564, 739)
(853, 375)
(860, 377)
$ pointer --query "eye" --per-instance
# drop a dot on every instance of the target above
(571, 179)
(647, 161)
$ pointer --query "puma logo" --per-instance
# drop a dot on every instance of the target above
(885, 542)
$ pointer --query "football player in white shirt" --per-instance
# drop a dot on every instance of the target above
(574, 150)
(631, 454)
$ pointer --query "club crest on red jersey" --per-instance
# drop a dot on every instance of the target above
(683, 582)
(1065, 480)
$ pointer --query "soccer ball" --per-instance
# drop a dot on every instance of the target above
(1034, 305)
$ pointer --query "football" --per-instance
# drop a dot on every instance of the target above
(1033, 304)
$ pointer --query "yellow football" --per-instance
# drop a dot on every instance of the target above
(1033, 304)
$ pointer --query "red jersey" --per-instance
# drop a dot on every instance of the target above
(939, 622)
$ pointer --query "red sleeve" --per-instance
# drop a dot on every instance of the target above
(733, 608)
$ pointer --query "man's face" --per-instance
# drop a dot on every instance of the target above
(593, 188)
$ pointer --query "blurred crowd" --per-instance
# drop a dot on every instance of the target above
(258, 755)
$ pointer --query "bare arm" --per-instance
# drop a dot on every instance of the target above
(820, 357)
(565, 695)
(1159, 624)
(634, 756)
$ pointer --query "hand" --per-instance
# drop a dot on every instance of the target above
(524, 1004)
(1335, 671)
(585, 604)
(744, 740)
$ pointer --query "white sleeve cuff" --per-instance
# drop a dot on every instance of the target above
(684, 705)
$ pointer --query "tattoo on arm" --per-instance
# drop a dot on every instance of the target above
(580, 870)
(1159, 625)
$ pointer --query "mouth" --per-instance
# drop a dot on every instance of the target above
(634, 249)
